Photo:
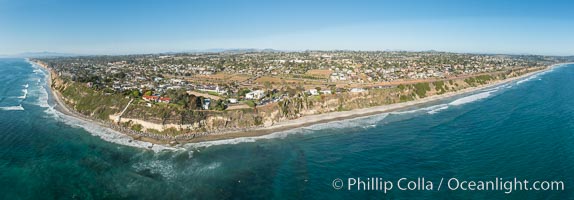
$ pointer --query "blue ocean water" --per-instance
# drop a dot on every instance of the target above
(523, 129)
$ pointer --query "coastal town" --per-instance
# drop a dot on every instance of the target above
(189, 93)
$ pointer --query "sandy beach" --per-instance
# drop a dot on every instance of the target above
(295, 123)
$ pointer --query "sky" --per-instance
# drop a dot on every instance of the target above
(155, 26)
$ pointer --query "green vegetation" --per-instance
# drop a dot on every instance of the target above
(404, 98)
(258, 121)
(401, 87)
(478, 80)
(250, 103)
(421, 89)
(92, 102)
(137, 127)
(218, 105)
(213, 93)
(440, 87)
(171, 131)
(243, 91)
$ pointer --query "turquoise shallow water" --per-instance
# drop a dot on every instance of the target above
(523, 129)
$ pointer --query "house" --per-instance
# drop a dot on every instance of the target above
(149, 98)
(164, 99)
(257, 94)
(156, 99)
(211, 88)
(232, 100)
(314, 92)
(206, 103)
(357, 90)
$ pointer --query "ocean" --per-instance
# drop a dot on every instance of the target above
(523, 129)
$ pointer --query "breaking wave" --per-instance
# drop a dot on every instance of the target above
(105, 133)
(25, 91)
(427, 109)
(434, 111)
(43, 98)
(471, 98)
(526, 79)
(19, 107)
(363, 122)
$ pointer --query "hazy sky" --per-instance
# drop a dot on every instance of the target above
(151, 26)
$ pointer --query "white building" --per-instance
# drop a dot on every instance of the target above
(206, 103)
(314, 92)
(358, 90)
(257, 94)
(211, 88)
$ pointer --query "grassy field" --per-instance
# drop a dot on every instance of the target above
(320, 73)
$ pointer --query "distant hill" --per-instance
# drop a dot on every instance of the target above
(43, 54)
(237, 50)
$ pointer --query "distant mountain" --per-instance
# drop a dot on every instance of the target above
(237, 50)
(43, 54)
(46, 54)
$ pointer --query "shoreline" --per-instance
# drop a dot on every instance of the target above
(304, 121)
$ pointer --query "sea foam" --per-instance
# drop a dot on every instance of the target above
(471, 98)
(164, 168)
(19, 107)
(25, 91)
(105, 133)
(364, 122)
(438, 109)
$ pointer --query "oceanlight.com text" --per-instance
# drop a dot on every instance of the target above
(506, 185)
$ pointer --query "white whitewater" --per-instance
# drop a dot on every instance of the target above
(19, 107)
(25, 91)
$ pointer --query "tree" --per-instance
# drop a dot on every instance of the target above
(199, 102)
(135, 94)
(193, 102)
(219, 105)
(333, 89)
(243, 91)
